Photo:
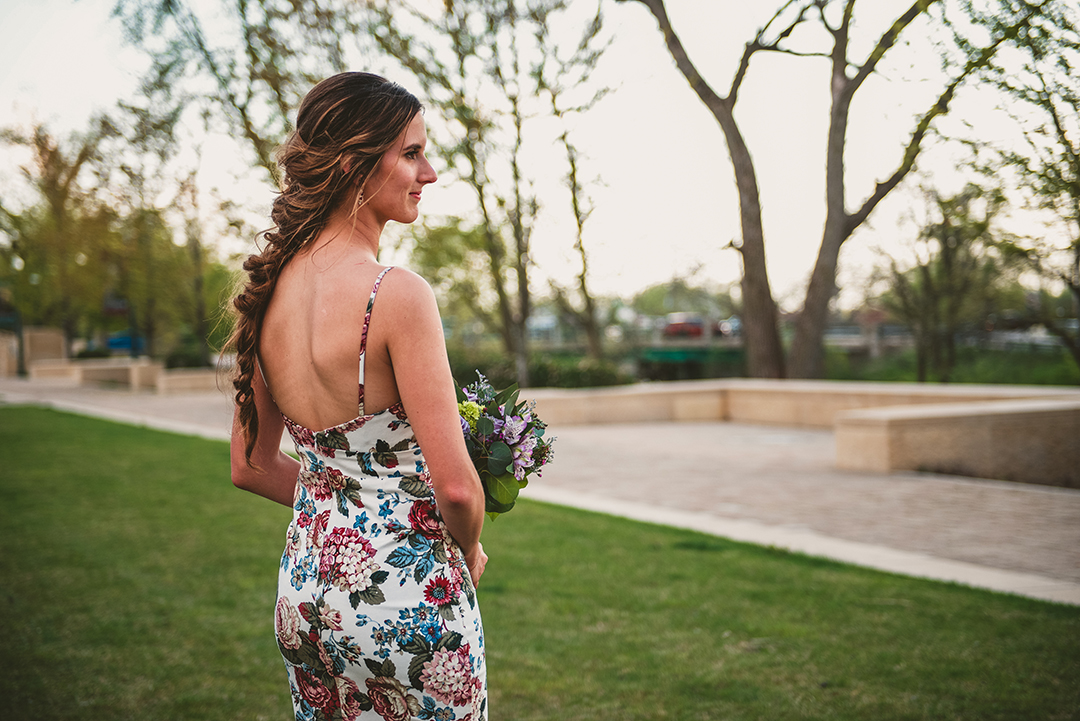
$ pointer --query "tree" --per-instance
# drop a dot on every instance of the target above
(59, 243)
(472, 58)
(1043, 74)
(953, 279)
(259, 62)
(678, 294)
(847, 75)
(566, 75)
(481, 63)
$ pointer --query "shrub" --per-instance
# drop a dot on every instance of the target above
(545, 370)
(94, 353)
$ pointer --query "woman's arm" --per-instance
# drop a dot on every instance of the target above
(417, 352)
(274, 473)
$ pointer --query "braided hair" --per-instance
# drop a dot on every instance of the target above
(343, 127)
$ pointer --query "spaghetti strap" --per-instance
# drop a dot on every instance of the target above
(363, 334)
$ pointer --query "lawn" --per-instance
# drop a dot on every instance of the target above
(138, 584)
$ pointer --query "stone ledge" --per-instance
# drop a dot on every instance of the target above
(134, 373)
(803, 404)
(1025, 440)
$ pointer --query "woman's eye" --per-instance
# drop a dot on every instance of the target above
(412, 154)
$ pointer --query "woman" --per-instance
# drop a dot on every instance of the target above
(376, 611)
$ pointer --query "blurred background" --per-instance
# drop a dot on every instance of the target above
(778, 189)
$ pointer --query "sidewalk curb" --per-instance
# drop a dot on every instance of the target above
(918, 565)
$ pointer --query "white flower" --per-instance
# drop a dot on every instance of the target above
(287, 623)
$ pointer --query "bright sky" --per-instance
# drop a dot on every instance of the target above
(667, 204)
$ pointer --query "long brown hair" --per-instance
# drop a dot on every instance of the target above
(354, 117)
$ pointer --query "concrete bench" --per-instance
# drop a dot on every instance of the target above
(1017, 433)
(191, 380)
(1031, 441)
(134, 373)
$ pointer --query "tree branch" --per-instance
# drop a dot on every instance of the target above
(887, 40)
(940, 107)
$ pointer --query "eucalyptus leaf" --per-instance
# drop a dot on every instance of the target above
(485, 426)
(501, 458)
(503, 489)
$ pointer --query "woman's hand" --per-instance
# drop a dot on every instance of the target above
(476, 562)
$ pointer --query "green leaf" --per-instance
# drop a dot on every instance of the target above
(417, 646)
(372, 595)
(502, 489)
(485, 426)
(503, 396)
(415, 487)
(459, 392)
(450, 641)
(500, 459)
(416, 667)
(332, 439)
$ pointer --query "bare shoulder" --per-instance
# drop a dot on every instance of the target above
(407, 293)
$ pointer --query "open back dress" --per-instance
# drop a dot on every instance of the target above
(376, 612)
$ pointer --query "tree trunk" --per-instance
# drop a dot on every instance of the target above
(764, 352)
(807, 358)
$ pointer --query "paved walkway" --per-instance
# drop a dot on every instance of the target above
(762, 484)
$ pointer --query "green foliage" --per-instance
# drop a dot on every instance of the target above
(128, 599)
(1041, 77)
(954, 279)
(57, 261)
(545, 370)
(678, 294)
(452, 258)
(1053, 366)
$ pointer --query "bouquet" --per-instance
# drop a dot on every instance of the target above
(505, 441)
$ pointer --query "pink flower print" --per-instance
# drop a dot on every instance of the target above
(287, 624)
(330, 618)
(449, 678)
(322, 484)
(317, 528)
(348, 560)
(392, 699)
(349, 698)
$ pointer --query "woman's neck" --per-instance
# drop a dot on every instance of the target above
(357, 229)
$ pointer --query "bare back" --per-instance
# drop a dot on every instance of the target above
(310, 342)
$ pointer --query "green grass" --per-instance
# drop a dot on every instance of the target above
(138, 584)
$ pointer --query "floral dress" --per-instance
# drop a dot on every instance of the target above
(376, 612)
